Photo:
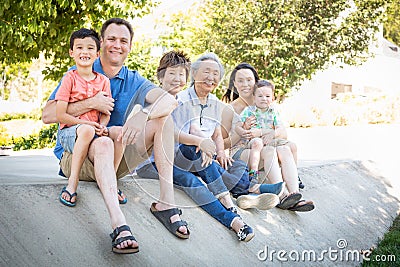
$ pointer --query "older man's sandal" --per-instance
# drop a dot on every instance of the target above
(116, 242)
(164, 216)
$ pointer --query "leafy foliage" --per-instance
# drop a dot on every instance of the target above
(388, 250)
(391, 27)
(5, 140)
(34, 115)
(24, 81)
(45, 138)
(28, 26)
(286, 40)
(142, 60)
(14, 77)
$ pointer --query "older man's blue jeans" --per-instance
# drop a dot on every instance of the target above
(235, 179)
(195, 189)
(189, 160)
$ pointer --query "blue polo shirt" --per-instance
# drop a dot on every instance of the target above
(128, 88)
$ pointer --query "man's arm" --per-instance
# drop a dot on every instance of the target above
(98, 102)
(66, 118)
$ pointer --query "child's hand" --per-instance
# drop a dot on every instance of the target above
(255, 133)
(249, 122)
(268, 137)
(223, 160)
(105, 131)
(206, 160)
(102, 131)
(95, 125)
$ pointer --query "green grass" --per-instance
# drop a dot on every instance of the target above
(389, 245)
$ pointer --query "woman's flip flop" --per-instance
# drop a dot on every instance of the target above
(302, 206)
(289, 201)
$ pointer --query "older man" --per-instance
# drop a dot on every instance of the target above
(205, 116)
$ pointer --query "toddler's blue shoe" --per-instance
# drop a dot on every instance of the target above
(276, 189)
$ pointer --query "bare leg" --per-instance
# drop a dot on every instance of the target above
(293, 149)
(163, 150)
(164, 158)
(237, 224)
(271, 166)
(226, 200)
(269, 159)
(289, 169)
(103, 148)
(255, 150)
(245, 156)
(119, 148)
(85, 134)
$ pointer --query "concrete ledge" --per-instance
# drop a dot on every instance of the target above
(353, 203)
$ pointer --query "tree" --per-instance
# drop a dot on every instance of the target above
(28, 26)
(286, 40)
(25, 82)
(391, 26)
(141, 58)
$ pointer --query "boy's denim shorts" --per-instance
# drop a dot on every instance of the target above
(67, 137)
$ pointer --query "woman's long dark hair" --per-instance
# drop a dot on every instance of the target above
(232, 93)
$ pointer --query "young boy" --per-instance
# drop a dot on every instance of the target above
(76, 133)
(266, 120)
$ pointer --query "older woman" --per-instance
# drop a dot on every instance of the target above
(240, 92)
(194, 156)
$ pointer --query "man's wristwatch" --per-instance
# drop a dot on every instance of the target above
(147, 112)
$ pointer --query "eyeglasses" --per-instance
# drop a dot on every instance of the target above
(201, 113)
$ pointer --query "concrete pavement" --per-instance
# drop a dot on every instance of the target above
(353, 181)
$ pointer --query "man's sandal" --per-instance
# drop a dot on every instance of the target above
(164, 216)
(116, 242)
(66, 202)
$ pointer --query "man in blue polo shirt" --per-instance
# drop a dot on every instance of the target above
(147, 129)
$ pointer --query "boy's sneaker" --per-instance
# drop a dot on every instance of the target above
(276, 189)
(245, 233)
(301, 185)
(264, 201)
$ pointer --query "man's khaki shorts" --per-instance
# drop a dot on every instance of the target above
(129, 162)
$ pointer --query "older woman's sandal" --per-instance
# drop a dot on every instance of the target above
(164, 216)
(116, 242)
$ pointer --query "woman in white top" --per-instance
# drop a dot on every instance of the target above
(240, 95)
